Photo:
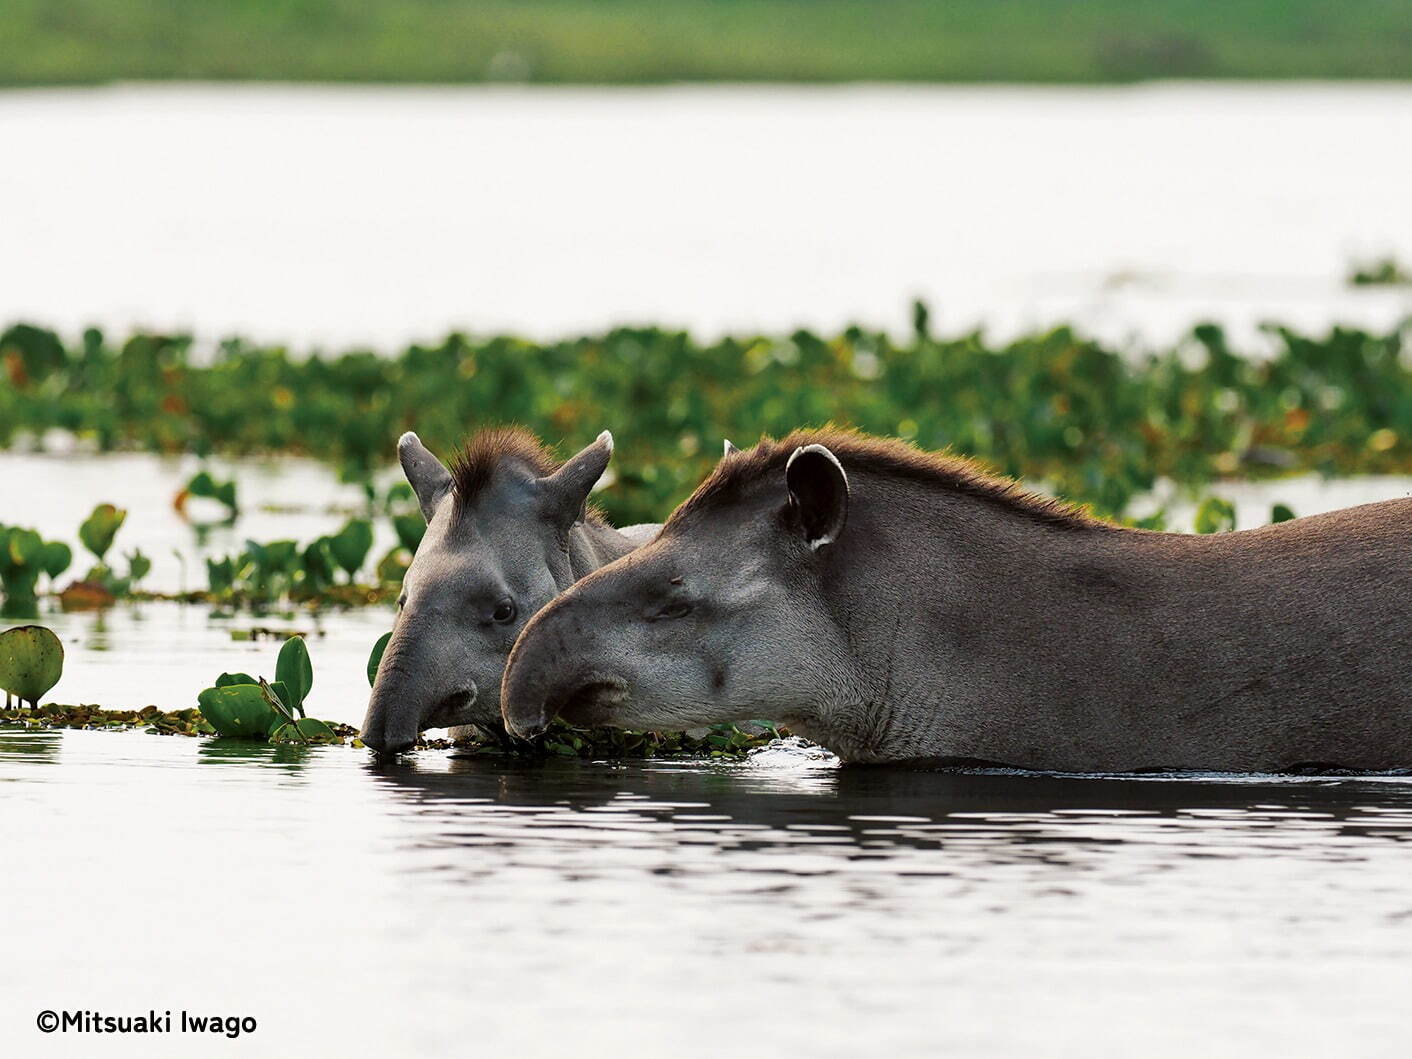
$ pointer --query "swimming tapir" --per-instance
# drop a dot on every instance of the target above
(508, 527)
(897, 605)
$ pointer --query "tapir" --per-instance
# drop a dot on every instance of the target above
(508, 527)
(898, 605)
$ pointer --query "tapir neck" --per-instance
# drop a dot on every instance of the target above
(1016, 641)
(593, 544)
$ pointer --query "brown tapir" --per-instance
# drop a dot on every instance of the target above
(897, 605)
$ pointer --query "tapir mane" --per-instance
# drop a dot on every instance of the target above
(474, 466)
(883, 457)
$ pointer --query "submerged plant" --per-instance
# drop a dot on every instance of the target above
(31, 662)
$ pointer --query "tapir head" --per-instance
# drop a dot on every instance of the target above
(496, 551)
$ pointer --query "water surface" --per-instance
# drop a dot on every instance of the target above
(450, 906)
(349, 215)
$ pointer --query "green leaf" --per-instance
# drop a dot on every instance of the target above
(1215, 516)
(56, 558)
(393, 566)
(305, 730)
(350, 545)
(99, 529)
(375, 659)
(239, 710)
(138, 566)
(295, 670)
(1281, 513)
(410, 530)
(226, 680)
(26, 548)
(31, 661)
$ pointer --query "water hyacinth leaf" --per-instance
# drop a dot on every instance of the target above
(220, 575)
(226, 680)
(375, 659)
(318, 563)
(204, 485)
(393, 566)
(305, 730)
(239, 710)
(31, 661)
(410, 530)
(1215, 516)
(138, 566)
(99, 529)
(295, 670)
(26, 548)
(351, 544)
(56, 558)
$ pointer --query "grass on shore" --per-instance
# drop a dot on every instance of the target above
(647, 41)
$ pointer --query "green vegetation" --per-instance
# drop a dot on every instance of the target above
(1384, 272)
(244, 707)
(636, 41)
(203, 484)
(1215, 515)
(149, 718)
(31, 662)
(1091, 423)
(24, 555)
(262, 574)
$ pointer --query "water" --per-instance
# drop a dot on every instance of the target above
(345, 216)
(785, 904)
(447, 906)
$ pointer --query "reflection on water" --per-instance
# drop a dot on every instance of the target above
(446, 903)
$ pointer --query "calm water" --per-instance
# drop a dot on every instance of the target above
(449, 906)
(453, 906)
(357, 215)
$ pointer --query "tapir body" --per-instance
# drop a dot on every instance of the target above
(897, 605)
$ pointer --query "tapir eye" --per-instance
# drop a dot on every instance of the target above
(504, 612)
(678, 609)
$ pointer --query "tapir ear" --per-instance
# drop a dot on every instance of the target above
(429, 479)
(818, 494)
(731, 450)
(569, 486)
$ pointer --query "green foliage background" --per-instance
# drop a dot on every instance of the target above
(1095, 424)
(636, 41)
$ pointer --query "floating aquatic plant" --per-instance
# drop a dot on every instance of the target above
(375, 659)
(245, 707)
(24, 557)
(1095, 423)
(203, 484)
(31, 662)
(98, 530)
(1215, 515)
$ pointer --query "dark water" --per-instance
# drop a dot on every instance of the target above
(467, 906)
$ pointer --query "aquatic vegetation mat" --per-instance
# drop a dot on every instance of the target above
(1094, 424)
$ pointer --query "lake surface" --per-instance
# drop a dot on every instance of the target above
(354, 216)
(451, 906)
